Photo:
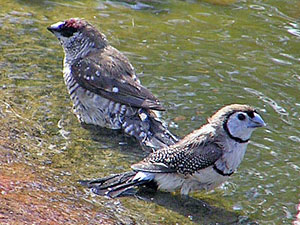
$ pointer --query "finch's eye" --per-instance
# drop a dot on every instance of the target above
(68, 31)
(241, 116)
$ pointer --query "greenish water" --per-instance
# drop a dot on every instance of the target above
(195, 57)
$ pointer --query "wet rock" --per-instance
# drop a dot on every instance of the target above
(28, 192)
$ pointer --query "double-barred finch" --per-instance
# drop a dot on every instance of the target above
(204, 159)
(104, 87)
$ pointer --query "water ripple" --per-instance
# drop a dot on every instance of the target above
(293, 29)
(279, 109)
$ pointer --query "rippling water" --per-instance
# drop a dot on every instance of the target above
(195, 57)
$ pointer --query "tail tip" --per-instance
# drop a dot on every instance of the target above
(84, 183)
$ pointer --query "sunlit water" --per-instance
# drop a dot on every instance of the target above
(195, 57)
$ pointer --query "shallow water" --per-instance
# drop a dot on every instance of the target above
(195, 57)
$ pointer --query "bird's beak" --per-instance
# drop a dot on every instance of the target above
(55, 27)
(256, 121)
(50, 29)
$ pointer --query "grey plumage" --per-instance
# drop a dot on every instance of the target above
(203, 159)
(104, 87)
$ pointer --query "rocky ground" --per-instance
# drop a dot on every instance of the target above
(28, 193)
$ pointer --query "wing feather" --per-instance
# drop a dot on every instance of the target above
(113, 78)
(185, 159)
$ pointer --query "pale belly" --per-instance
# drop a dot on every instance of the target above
(206, 179)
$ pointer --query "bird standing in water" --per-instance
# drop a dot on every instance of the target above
(104, 87)
(202, 160)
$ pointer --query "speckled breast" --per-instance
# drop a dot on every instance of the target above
(93, 109)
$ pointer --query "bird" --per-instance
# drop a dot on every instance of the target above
(202, 160)
(104, 87)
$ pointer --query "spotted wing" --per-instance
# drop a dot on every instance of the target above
(185, 159)
(110, 78)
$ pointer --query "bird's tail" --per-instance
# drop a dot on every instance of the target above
(159, 135)
(149, 130)
(116, 185)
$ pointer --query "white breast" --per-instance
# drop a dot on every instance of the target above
(233, 155)
(206, 179)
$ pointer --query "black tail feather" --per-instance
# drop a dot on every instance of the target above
(151, 132)
(161, 136)
(116, 185)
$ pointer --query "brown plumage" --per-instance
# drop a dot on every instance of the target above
(104, 87)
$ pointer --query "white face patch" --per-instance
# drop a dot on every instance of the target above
(238, 125)
(57, 25)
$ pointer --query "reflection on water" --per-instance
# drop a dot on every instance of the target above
(195, 57)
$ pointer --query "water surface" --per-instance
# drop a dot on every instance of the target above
(195, 57)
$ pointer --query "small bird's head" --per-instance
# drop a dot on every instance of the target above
(238, 121)
(77, 36)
